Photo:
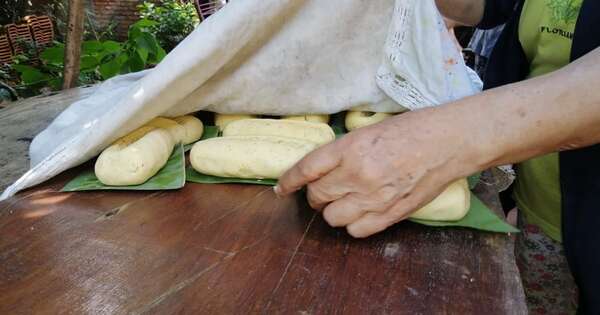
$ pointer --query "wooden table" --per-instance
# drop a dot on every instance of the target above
(216, 249)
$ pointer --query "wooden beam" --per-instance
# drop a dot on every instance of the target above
(73, 45)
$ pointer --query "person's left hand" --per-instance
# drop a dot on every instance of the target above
(378, 175)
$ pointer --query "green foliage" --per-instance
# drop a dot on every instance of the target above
(100, 60)
(175, 20)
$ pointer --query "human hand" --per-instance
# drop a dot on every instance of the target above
(377, 176)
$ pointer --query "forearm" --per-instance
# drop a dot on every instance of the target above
(516, 122)
(467, 12)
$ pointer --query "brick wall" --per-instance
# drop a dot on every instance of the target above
(123, 12)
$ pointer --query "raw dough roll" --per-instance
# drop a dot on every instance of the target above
(133, 159)
(176, 130)
(248, 156)
(193, 128)
(316, 132)
(312, 118)
(355, 120)
(222, 120)
(451, 205)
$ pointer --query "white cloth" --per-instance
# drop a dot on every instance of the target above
(269, 57)
(422, 66)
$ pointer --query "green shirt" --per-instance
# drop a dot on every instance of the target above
(546, 34)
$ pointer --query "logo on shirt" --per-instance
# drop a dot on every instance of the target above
(556, 31)
(564, 11)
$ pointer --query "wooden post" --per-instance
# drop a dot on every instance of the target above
(73, 45)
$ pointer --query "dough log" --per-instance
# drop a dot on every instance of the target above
(193, 128)
(451, 205)
(316, 132)
(133, 159)
(248, 156)
(312, 118)
(176, 130)
(222, 120)
(355, 120)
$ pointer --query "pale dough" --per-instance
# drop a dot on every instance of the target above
(135, 158)
(355, 120)
(222, 120)
(316, 132)
(451, 205)
(176, 130)
(312, 118)
(193, 128)
(248, 156)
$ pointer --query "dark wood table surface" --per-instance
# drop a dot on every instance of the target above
(221, 249)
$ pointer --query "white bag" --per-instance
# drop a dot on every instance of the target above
(269, 57)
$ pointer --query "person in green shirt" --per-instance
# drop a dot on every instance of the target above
(546, 35)
(546, 31)
(377, 176)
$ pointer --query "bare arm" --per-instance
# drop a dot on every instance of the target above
(466, 12)
(559, 111)
(378, 175)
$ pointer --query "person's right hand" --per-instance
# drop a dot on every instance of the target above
(378, 175)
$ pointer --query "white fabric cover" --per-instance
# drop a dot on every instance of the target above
(269, 57)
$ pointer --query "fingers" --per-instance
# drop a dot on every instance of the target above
(319, 196)
(343, 212)
(369, 224)
(372, 222)
(328, 188)
(312, 167)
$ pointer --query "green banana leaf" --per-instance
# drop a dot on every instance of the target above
(339, 131)
(209, 132)
(171, 176)
(195, 177)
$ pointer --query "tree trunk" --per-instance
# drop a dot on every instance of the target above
(73, 45)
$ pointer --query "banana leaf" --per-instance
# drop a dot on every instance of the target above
(339, 131)
(195, 177)
(171, 176)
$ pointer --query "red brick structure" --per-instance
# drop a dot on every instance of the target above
(6, 54)
(122, 12)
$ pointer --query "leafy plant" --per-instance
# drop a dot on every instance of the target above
(139, 51)
(100, 60)
(175, 20)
